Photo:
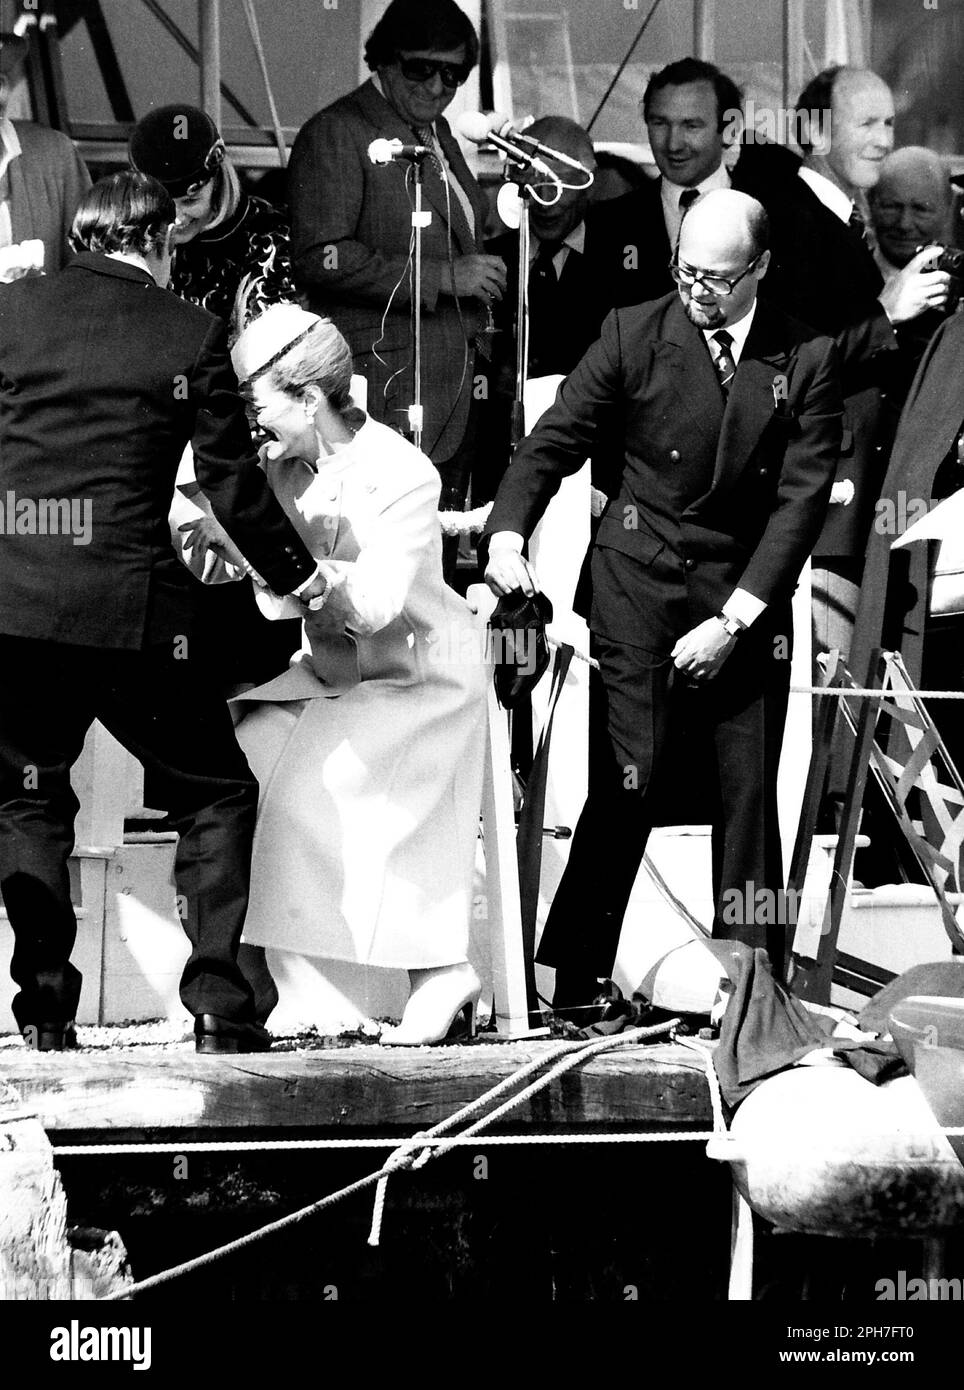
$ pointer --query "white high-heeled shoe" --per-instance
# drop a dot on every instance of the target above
(440, 1008)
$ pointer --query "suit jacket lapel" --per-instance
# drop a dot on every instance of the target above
(691, 373)
(751, 402)
(385, 120)
(22, 221)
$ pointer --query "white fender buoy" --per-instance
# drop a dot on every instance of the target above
(818, 1148)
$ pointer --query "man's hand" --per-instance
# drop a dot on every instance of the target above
(315, 589)
(701, 652)
(915, 289)
(508, 570)
(475, 277)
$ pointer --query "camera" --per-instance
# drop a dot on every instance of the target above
(950, 260)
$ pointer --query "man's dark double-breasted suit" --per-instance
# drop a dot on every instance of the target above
(104, 378)
(717, 493)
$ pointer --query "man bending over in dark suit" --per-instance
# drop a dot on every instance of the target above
(728, 414)
(104, 377)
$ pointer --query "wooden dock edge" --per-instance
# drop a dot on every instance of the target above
(39, 1259)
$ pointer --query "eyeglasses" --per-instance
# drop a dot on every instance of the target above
(424, 69)
(716, 284)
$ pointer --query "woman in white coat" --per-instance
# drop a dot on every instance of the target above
(369, 748)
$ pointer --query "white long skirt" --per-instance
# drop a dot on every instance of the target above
(368, 821)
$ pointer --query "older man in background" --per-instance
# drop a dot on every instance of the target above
(42, 180)
(911, 207)
(825, 274)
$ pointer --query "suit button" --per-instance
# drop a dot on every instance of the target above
(689, 564)
(763, 472)
(674, 455)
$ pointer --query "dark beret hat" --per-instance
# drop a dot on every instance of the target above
(178, 145)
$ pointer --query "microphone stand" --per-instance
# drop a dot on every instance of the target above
(420, 219)
(517, 428)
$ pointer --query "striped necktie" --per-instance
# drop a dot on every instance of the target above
(724, 362)
(858, 225)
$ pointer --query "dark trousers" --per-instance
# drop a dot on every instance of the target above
(664, 751)
(169, 718)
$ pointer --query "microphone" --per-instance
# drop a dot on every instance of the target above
(478, 128)
(499, 124)
(385, 151)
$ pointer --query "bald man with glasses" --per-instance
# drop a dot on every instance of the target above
(729, 419)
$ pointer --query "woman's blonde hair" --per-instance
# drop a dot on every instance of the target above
(226, 194)
(311, 352)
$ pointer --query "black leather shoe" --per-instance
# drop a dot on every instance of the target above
(580, 998)
(214, 1034)
(49, 1037)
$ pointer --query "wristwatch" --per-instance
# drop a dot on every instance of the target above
(730, 625)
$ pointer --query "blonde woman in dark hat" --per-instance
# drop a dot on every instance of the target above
(224, 238)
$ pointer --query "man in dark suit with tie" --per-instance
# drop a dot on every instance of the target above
(824, 273)
(104, 378)
(728, 415)
(693, 115)
(351, 230)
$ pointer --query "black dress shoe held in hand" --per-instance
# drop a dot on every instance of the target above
(581, 998)
(220, 1035)
(49, 1037)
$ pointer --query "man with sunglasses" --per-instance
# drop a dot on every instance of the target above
(352, 230)
(728, 418)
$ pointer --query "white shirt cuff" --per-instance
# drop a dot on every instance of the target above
(506, 540)
(743, 606)
(296, 593)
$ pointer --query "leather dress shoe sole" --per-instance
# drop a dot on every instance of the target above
(49, 1037)
(214, 1035)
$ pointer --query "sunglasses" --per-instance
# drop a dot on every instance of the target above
(424, 69)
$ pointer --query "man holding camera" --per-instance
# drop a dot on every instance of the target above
(911, 209)
(824, 273)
